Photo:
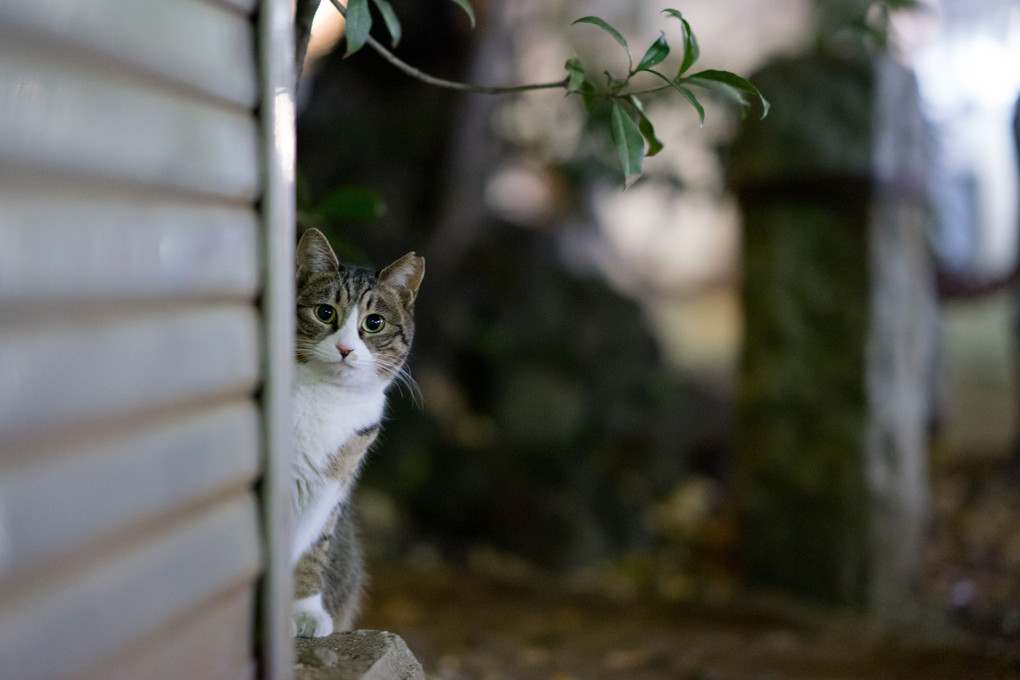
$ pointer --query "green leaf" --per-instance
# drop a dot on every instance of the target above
(588, 95)
(694, 102)
(688, 95)
(691, 49)
(646, 128)
(391, 20)
(575, 75)
(601, 23)
(466, 6)
(648, 132)
(352, 204)
(359, 23)
(658, 51)
(630, 145)
(613, 83)
(733, 80)
(726, 91)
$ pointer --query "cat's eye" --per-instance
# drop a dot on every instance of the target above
(325, 313)
(373, 323)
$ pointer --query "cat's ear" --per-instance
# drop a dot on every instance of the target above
(406, 273)
(315, 254)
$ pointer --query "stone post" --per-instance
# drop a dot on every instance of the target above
(833, 399)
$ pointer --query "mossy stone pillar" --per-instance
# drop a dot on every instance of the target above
(834, 373)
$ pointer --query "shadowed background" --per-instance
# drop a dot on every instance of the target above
(610, 378)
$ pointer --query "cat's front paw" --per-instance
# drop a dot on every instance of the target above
(312, 624)
(311, 619)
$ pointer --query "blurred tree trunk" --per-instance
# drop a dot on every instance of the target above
(834, 390)
(304, 13)
(474, 150)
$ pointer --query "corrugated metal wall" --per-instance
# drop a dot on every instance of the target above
(136, 333)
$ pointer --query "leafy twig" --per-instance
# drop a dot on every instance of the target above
(442, 82)
(629, 136)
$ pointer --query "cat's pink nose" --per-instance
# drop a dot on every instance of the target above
(344, 350)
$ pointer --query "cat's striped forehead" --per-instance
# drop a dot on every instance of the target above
(348, 287)
(335, 284)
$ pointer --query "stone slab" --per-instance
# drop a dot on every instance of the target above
(356, 655)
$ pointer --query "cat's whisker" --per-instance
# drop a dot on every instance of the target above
(389, 367)
(402, 378)
(382, 366)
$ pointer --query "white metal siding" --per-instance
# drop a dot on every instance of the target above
(122, 247)
(145, 268)
(191, 42)
(63, 111)
(59, 373)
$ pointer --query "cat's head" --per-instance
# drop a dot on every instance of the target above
(354, 325)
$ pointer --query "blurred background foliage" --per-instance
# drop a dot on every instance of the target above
(577, 345)
(547, 402)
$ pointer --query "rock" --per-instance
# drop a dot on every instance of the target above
(319, 657)
(356, 655)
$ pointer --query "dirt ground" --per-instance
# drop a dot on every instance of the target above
(492, 621)
(463, 625)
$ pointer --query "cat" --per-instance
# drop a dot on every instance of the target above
(354, 331)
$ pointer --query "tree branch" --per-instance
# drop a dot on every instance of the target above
(418, 74)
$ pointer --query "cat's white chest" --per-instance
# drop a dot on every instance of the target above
(325, 417)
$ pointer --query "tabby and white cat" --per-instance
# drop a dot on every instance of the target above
(354, 330)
